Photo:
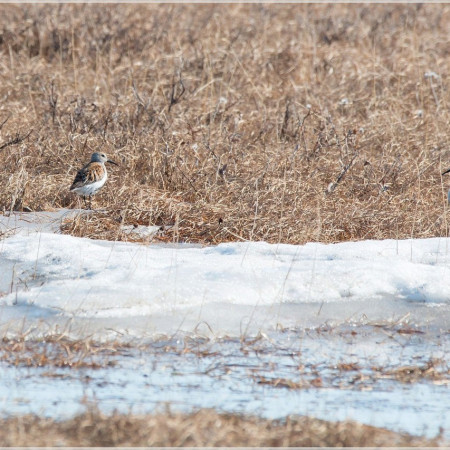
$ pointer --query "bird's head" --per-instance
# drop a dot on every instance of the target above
(101, 158)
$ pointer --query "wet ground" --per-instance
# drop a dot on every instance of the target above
(391, 376)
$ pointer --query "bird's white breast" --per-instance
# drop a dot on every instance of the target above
(91, 188)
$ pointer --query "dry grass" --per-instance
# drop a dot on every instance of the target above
(59, 352)
(205, 428)
(288, 123)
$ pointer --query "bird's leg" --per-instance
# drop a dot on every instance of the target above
(90, 202)
(85, 201)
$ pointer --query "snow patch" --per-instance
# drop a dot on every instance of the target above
(227, 285)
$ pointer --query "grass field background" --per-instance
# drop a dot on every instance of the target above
(288, 123)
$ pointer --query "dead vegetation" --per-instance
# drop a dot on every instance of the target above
(288, 123)
(205, 428)
(59, 352)
(59, 357)
(220, 357)
(435, 371)
(351, 376)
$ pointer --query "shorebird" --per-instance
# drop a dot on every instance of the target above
(91, 177)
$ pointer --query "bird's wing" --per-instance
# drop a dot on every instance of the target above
(90, 173)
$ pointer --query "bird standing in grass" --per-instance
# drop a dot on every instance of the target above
(91, 177)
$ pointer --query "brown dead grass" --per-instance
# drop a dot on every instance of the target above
(205, 428)
(59, 352)
(288, 123)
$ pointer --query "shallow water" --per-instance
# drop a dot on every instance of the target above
(335, 374)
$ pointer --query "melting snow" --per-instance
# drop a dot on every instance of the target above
(51, 282)
(154, 289)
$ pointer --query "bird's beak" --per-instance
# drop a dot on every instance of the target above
(113, 162)
(447, 171)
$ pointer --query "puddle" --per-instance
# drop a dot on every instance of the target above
(382, 376)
